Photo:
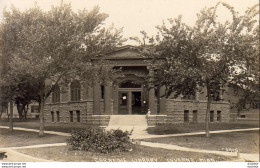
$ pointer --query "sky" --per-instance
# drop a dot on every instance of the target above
(137, 15)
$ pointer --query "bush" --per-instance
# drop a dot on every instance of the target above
(100, 140)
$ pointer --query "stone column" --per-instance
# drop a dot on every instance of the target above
(115, 97)
(129, 102)
(152, 103)
(96, 97)
(197, 95)
(162, 100)
(107, 101)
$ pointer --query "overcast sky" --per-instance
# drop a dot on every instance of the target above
(137, 15)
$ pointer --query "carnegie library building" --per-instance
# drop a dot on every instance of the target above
(129, 95)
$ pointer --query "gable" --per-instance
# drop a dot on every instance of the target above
(126, 52)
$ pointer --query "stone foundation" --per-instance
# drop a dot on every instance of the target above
(153, 120)
(175, 110)
(175, 113)
(65, 109)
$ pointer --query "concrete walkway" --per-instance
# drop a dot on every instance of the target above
(14, 156)
(36, 130)
(148, 136)
(135, 124)
(139, 134)
(244, 156)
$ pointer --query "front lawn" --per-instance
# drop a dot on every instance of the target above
(138, 154)
(162, 129)
(24, 138)
(245, 142)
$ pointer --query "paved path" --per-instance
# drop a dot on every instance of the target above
(147, 136)
(140, 134)
(14, 156)
(245, 156)
(36, 130)
(136, 124)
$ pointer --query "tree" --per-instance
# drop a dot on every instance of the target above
(51, 47)
(211, 54)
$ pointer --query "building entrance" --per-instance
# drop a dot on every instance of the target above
(131, 102)
(136, 103)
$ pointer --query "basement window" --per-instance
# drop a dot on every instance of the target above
(71, 116)
(186, 115)
(78, 116)
(211, 116)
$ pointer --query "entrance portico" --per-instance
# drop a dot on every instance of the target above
(128, 93)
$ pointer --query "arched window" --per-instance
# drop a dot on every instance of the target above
(56, 94)
(75, 91)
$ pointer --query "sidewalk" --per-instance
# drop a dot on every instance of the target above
(148, 136)
(35, 130)
(244, 156)
(139, 133)
(14, 156)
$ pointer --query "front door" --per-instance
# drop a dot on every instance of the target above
(136, 102)
(131, 102)
(123, 102)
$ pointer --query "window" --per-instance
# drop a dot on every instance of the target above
(71, 116)
(211, 116)
(195, 116)
(52, 116)
(242, 116)
(75, 91)
(186, 115)
(122, 99)
(34, 109)
(58, 116)
(102, 91)
(56, 94)
(218, 115)
(78, 116)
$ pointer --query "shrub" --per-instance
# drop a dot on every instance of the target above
(100, 140)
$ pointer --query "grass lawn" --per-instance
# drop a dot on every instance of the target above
(24, 138)
(47, 126)
(245, 142)
(190, 127)
(138, 154)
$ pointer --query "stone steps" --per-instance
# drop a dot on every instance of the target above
(137, 124)
(127, 120)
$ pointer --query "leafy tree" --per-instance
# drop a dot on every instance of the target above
(209, 55)
(44, 49)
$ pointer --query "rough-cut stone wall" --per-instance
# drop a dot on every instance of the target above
(175, 110)
(86, 114)
(98, 120)
(85, 108)
(153, 120)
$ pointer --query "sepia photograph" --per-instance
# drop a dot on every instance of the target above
(129, 83)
